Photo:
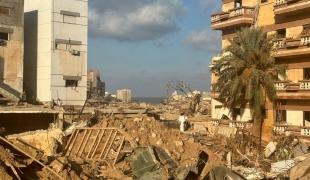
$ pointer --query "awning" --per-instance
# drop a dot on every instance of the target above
(74, 78)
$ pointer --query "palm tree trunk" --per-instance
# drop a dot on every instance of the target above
(257, 130)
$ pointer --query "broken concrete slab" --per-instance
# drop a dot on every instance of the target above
(282, 166)
(47, 141)
(270, 149)
(301, 170)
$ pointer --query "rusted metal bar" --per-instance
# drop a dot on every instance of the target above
(92, 146)
(100, 139)
(106, 143)
(119, 150)
(73, 142)
(82, 141)
(31, 157)
(86, 141)
(109, 148)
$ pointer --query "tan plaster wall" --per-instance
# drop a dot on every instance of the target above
(294, 32)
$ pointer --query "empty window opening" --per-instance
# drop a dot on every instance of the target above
(238, 3)
(307, 74)
(4, 36)
(71, 83)
(4, 11)
(281, 33)
(306, 29)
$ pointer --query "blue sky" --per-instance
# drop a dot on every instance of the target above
(143, 44)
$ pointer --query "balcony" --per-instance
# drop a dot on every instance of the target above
(291, 90)
(300, 131)
(237, 17)
(289, 7)
(289, 47)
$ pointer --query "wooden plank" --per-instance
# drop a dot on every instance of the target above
(86, 141)
(109, 148)
(100, 139)
(119, 150)
(73, 142)
(93, 144)
(106, 143)
(81, 142)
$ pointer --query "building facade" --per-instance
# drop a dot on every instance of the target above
(11, 48)
(56, 44)
(124, 95)
(289, 21)
(95, 86)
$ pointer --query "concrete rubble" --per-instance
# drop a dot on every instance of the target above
(143, 141)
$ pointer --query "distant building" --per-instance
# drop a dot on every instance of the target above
(56, 50)
(95, 86)
(124, 95)
(11, 48)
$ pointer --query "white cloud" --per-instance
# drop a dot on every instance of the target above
(204, 40)
(134, 20)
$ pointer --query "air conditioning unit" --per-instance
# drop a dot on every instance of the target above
(75, 52)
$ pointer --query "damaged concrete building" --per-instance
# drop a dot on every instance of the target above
(56, 51)
(95, 86)
(290, 22)
(11, 48)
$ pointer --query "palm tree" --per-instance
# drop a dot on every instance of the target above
(247, 73)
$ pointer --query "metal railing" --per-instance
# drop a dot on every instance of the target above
(233, 13)
(305, 85)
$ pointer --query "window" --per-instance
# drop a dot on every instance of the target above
(263, 1)
(4, 36)
(281, 33)
(306, 29)
(71, 83)
(307, 74)
(238, 3)
(4, 11)
(307, 118)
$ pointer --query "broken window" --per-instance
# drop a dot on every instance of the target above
(306, 73)
(307, 118)
(4, 11)
(4, 36)
(71, 83)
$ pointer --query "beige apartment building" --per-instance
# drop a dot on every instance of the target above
(11, 48)
(56, 41)
(124, 95)
(290, 21)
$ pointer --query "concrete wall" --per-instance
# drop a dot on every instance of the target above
(295, 117)
(12, 51)
(62, 29)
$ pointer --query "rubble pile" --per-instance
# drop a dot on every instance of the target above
(143, 141)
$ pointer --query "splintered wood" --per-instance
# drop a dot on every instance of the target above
(95, 144)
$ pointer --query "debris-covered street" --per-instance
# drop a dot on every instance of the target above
(117, 140)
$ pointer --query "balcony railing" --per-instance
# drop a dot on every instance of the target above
(292, 46)
(305, 85)
(289, 6)
(296, 130)
(246, 12)
(291, 86)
